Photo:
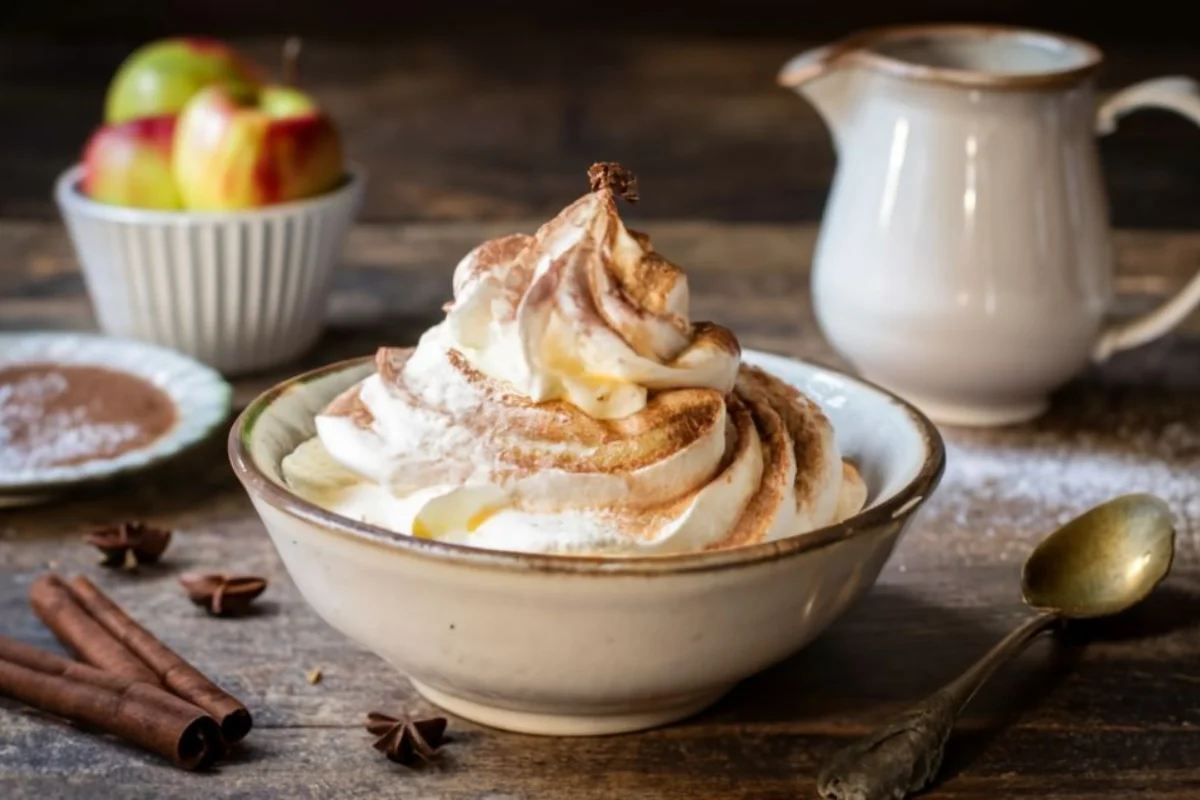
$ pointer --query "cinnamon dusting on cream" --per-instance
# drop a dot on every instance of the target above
(569, 404)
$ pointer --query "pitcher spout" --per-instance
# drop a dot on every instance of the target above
(824, 78)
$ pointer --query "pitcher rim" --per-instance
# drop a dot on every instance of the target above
(856, 48)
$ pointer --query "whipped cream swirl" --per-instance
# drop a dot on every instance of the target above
(567, 404)
(584, 311)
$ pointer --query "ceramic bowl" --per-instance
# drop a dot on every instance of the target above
(570, 645)
(240, 291)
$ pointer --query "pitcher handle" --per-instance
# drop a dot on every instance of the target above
(1181, 95)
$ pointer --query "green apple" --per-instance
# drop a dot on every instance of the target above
(129, 164)
(254, 148)
(159, 78)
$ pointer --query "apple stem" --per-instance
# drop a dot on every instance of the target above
(291, 61)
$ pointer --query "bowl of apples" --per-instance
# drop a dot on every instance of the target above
(210, 207)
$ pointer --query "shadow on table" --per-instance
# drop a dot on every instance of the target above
(894, 649)
(183, 484)
(1172, 607)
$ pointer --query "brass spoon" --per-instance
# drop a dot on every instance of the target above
(1098, 564)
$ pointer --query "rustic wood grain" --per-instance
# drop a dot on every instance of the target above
(1111, 711)
(477, 125)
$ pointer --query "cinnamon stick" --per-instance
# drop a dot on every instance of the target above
(138, 712)
(172, 671)
(61, 612)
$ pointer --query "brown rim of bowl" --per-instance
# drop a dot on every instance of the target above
(856, 49)
(897, 507)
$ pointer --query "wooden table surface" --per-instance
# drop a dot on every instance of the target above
(1112, 710)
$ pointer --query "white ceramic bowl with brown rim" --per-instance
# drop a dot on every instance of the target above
(570, 645)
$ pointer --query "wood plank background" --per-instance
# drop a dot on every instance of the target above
(470, 126)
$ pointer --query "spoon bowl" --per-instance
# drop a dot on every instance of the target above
(1103, 561)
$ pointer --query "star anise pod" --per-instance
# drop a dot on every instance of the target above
(407, 740)
(222, 595)
(119, 543)
(622, 182)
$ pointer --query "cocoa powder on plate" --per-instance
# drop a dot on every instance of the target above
(60, 414)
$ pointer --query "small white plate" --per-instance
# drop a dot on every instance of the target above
(201, 397)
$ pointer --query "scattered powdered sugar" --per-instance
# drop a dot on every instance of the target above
(1007, 490)
(61, 437)
(33, 388)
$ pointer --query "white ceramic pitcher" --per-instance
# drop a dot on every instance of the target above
(964, 258)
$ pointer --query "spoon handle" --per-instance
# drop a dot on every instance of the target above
(904, 755)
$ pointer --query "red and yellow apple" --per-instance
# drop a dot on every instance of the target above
(159, 78)
(129, 164)
(247, 149)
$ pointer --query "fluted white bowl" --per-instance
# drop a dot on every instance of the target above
(240, 291)
(582, 645)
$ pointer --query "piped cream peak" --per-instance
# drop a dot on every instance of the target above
(568, 404)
